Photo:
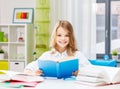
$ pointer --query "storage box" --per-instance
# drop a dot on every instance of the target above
(3, 65)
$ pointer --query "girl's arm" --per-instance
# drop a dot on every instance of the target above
(32, 69)
(30, 72)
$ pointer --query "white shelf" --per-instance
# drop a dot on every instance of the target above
(20, 37)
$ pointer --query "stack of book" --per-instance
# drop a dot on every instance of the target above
(16, 79)
(98, 75)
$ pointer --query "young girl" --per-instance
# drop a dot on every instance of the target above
(63, 44)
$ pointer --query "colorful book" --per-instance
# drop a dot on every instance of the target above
(60, 68)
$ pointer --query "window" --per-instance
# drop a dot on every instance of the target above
(107, 27)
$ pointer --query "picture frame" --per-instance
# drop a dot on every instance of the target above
(23, 15)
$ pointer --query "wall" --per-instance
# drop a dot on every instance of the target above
(7, 7)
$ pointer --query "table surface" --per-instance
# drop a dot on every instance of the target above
(68, 84)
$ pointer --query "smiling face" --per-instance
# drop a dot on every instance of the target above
(62, 39)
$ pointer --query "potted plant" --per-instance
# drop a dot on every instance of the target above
(114, 54)
(34, 54)
(1, 54)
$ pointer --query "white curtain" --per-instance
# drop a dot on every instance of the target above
(81, 13)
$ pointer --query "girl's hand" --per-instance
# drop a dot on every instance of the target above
(30, 72)
(75, 73)
(38, 72)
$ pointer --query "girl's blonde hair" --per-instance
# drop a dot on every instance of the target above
(71, 47)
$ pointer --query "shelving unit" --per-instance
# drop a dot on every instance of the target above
(18, 45)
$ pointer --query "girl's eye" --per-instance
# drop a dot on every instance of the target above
(58, 35)
(66, 35)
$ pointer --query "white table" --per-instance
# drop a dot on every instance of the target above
(62, 84)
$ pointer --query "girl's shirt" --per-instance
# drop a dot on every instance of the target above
(83, 61)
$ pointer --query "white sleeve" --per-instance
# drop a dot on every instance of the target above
(32, 66)
(83, 61)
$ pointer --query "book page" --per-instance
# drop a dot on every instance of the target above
(92, 74)
(18, 76)
(99, 75)
(4, 77)
(116, 78)
(90, 79)
(113, 74)
(10, 73)
(27, 78)
(91, 71)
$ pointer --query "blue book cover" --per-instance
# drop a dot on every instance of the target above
(59, 69)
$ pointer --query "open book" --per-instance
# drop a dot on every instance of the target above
(98, 75)
(17, 78)
(59, 68)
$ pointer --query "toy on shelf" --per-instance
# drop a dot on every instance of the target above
(20, 37)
